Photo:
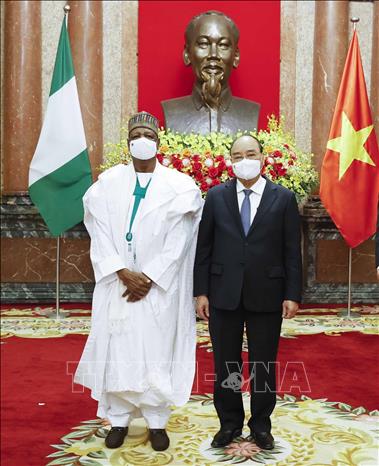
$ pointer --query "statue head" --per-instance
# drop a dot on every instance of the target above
(211, 48)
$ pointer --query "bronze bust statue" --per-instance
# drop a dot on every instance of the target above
(211, 48)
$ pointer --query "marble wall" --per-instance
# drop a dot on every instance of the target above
(297, 57)
(314, 40)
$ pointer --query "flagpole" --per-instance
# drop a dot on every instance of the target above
(66, 10)
(349, 286)
(354, 20)
(57, 278)
(58, 313)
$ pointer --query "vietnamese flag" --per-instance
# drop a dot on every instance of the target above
(349, 185)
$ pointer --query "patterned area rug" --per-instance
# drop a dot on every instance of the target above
(36, 323)
(307, 432)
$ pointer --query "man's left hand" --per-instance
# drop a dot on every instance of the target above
(290, 309)
(133, 297)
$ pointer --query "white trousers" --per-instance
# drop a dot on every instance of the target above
(120, 412)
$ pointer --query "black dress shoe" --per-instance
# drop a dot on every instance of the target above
(224, 437)
(116, 437)
(159, 439)
(263, 440)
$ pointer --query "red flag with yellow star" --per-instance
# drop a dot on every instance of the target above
(349, 185)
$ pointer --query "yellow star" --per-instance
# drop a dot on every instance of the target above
(350, 145)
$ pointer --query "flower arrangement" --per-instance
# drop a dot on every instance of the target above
(207, 158)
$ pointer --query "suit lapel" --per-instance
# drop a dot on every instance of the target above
(230, 196)
(268, 197)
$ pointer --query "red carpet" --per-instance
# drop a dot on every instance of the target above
(34, 371)
(343, 368)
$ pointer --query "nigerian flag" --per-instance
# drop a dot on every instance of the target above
(60, 172)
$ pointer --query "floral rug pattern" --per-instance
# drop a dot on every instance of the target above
(307, 432)
(332, 325)
(36, 323)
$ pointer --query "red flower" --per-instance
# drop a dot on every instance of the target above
(221, 166)
(276, 153)
(196, 166)
(230, 171)
(219, 158)
(176, 163)
(204, 186)
(160, 157)
(273, 174)
(198, 176)
(290, 162)
(286, 146)
(216, 182)
(196, 158)
(213, 172)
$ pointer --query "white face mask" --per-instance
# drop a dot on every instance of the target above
(247, 169)
(143, 148)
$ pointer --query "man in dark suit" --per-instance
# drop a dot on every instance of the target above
(247, 271)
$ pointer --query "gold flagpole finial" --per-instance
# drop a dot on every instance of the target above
(354, 20)
(67, 8)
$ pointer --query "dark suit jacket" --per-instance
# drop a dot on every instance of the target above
(265, 266)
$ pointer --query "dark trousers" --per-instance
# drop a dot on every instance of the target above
(263, 331)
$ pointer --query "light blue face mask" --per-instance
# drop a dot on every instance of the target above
(247, 169)
(143, 148)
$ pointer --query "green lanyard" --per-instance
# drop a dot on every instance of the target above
(139, 194)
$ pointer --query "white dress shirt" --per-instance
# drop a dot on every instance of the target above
(255, 197)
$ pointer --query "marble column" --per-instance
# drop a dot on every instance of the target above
(21, 92)
(129, 70)
(288, 26)
(375, 68)
(330, 48)
(85, 25)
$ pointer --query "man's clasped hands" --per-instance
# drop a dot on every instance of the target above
(138, 284)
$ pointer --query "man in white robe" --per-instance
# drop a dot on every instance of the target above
(139, 358)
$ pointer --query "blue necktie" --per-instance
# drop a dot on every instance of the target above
(246, 211)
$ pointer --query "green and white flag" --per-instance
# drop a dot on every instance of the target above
(60, 171)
